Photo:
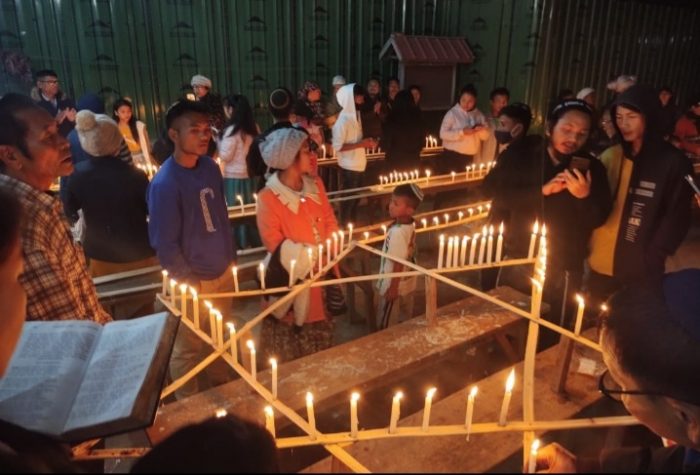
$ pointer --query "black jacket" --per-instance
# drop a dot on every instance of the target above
(112, 195)
(62, 102)
(403, 139)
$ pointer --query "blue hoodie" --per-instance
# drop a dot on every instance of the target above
(188, 225)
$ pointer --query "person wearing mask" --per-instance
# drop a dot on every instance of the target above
(48, 95)
(490, 148)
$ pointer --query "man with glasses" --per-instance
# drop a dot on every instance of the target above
(48, 95)
(651, 346)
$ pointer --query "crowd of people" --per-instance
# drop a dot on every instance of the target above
(608, 182)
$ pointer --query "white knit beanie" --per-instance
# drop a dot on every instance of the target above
(98, 134)
(280, 148)
(199, 80)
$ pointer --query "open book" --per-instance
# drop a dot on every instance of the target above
(78, 380)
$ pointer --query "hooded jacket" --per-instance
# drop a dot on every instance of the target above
(651, 200)
(348, 130)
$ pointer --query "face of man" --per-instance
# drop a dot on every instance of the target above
(373, 88)
(314, 95)
(508, 129)
(48, 86)
(631, 124)
(498, 102)
(394, 89)
(664, 97)
(467, 102)
(200, 91)
(571, 132)
(191, 134)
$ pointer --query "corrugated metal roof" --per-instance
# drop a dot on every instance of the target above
(428, 49)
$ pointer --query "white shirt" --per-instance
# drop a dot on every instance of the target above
(400, 242)
(453, 136)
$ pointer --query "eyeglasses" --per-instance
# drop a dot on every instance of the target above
(612, 390)
(49, 81)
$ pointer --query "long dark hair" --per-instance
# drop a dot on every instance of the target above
(404, 109)
(242, 118)
(132, 122)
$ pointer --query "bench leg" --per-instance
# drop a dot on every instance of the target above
(507, 347)
(431, 301)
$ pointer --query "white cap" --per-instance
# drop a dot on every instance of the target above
(339, 81)
(583, 93)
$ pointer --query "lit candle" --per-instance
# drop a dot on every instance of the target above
(533, 238)
(350, 228)
(471, 212)
(240, 200)
(219, 329)
(455, 252)
(195, 307)
(532, 462)
(472, 253)
(499, 243)
(328, 251)
(447, 218)
(460, 215)
(183, 300)
(579, 314)
(384, 229)
(481, 170)
(470, 409)
(426, 142)
(436, 221)
(489, 252)
(255, 198)
(463, 256)
(270, 420)
(405, 176)
(261, 272)
(310, 256)
(424, 222)
(273, 365)
(234, 270)
(466, 173)
(395, 412)
(543, 239)
(323, 150)
(427, 408)
(479, 209)
(292, 265)
(506, 398)
(454, 175)
(450, 244)
(335, 244)
(341, 233)
(482, 244)
(427, 176)
(310, 413)
(219, 413)
(353, 414)
(212, 321)
(366, 235)
(172, 292)
(253, 360)
(320, 257)
(232, 338)
(165, 283)
(441, 251)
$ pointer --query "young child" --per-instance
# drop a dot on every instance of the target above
(396, 295)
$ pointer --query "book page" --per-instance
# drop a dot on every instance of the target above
(119, 364)
(39, 386)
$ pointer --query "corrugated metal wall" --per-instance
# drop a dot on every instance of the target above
(149, 49)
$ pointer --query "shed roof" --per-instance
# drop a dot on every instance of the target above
(427, 49)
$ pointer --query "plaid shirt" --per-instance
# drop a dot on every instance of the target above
(55, 276)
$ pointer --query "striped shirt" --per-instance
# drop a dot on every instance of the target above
(55, 275)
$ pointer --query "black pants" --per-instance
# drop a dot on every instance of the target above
(348, 209)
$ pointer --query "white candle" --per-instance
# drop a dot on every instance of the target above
(455, 252)
(350, 228)
(427, 408)
(273, 365)
(261, 273)
(341, 233)
(212, 321)
(328, 251)
(183, 300)
(395, 412)
(240, 200)
(255, 198)
(270, 420)
(310, 256)
(506, 398)
(366, 235)
(426, 142)
(448, 260)
(234, 270)
(424, 222)
(335, 244)
(460, 215)
(472, 252)
(427, 176)
(470, 409)
(310, 413)
(292, 265)
(172, 292)
(481, 170)
(320, 257)
(454, 175)
(195, 307)
(232, 339)
(165, 283)
(533, 238)
(405, 176)
(441, 251)
(499, 243)
(482, 245)
(436, 221)
(471, 212)
(463, 256)
(466, 173)
(384, 229)
(219, 329)
(579, 314)
(447, 218)
(353, 414)
(532, 462)
(489, 252)
(323, 150)
(543, 239)
(253, 360)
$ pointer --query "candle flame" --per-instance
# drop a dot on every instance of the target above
(510, 382)
(536, 227)
(484, 231)
(424, 222)
(544, 230)
(220, 413)
(255, 196)
(183, 288)
(173, 282)
(579, 299)
(208, 304)
(431, 393)
(193, 291)
(234, 269)
(460, 214)
(535, 447)
(165, 273)
(268, 411)
(491, 230)
(453, 173)
(473, 392)
(603, 308)
(309, 397)
(436, 220)
(427, 173)
(398, 396)
(250, 345)
(273, 362)
(366, 235)
(219, 316)
(230, 327)
(355, 397)
(384, 228)
(500, 228)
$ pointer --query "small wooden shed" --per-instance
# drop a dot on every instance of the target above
(430, 62)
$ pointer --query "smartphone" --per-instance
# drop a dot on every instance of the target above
(580, 163)
(691, 182)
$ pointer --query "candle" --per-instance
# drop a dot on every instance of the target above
(395, 412)
(533, 238)
(470, 409)
(292, 264)
(424, 222)
(323, 150)
(165, 283)
(543, 239)
(482, 245)
(506, 398)
(472, 253)
(232, 338)
(273, 365)
(460, 215)
(310, 256)
(426, 142)
(427, 176)
(219, 329)
(310, 413)
(320, 257)
(479, 209)
(447, 218)
(579, 314)
(384, 229)
(499, 243)
(481, 169)
(466, 173)
(471, 212)
(441, 251)
(183, 300)
(454, 175)
(489, 252)
(270, 420)
(405, 176)
(172, 292)
(350, 228)
(353, 414)
(261, 273)
(253, 360)
(219, 413)
(335, 244)
(255, 198)
(234, 270)
(212, 326)
(532, 462)
(463, 256)
(427, 408)
(195, 307)
(448, 260)
(328, 251)
(366, 235)
(240, 200)
(341, 233)
(455, 252)
(436, 221)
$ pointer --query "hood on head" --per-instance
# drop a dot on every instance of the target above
(346, 100)
(645, 99)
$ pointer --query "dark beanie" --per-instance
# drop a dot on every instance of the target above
(281, 99)
(518, 111)
(565, 106)
(91, 102)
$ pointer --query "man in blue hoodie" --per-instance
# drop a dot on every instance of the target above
(189, 228)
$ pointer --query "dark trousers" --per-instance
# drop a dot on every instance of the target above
(348, 208)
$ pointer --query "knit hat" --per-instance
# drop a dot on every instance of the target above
(339, 81)
(622, 83)
(280, 148)
(98, 134)
(583, 93)
(565, 106)
(92, 102)
(199, 80)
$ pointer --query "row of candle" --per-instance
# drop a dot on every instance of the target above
(540, 232)
(373, 151)
(396, 177)
(430, 141)
(239, 198)
(456, 255)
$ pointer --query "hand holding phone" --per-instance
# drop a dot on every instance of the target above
(581, 164)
